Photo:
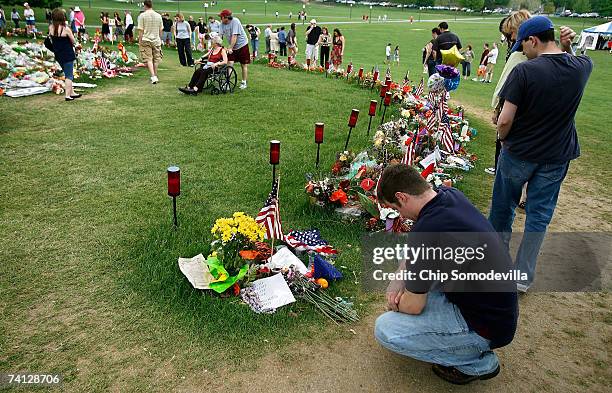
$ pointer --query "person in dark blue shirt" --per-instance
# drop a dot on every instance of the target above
(538, 133)
(456, 331)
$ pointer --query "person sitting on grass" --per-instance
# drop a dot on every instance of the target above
(215, 58)
(455, 331)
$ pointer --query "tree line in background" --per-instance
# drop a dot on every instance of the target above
(602, 7)
(34, 3)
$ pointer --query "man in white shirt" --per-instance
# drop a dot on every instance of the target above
(213, 25)
(267, 33)
(388, 54)
(491, 63)
(129, 27)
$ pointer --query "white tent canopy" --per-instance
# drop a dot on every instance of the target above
(605, 28)
(589, 37)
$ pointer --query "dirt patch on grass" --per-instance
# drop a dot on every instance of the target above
(554, 350)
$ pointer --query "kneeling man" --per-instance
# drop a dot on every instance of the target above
(455, 331)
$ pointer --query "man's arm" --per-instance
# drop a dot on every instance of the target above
(566, 37)
(412, 303)
(505, 119)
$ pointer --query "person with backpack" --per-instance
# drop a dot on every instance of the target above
(254, 33)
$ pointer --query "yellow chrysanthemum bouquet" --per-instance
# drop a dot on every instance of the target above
(234, 234)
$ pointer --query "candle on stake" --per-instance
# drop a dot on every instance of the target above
(319, 128)
(174, 188)
(274, 157)
(371, 113)
(351, 123)
(386, 103)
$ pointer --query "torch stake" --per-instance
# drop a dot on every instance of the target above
(318, 148)
(174, 211)
(348, 137)
(381, 104)
(382, 120)
(369, 125)
(273, 173)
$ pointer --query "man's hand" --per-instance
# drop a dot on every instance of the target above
(566, 37)
(395, 290)
(495, 116)
(230, 51)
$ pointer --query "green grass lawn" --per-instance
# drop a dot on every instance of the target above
(89, 280)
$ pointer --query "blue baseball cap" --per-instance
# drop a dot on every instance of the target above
(537, 24)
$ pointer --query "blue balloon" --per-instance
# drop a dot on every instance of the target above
(452, 83)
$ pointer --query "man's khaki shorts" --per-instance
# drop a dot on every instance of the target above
(490, 67)
(150, 51)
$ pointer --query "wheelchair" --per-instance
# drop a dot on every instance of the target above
(222, 80)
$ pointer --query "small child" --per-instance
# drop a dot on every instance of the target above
(396, 55)
(388, 53)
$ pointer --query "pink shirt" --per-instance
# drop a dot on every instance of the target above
(79, 19)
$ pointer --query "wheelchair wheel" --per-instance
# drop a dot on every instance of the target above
(229, 81)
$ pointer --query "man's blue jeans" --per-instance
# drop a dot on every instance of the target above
(438, 335)
(544, 182)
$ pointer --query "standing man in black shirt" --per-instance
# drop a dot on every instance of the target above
(456, 331)
(538, 133)
(445, 40)
(312, 38)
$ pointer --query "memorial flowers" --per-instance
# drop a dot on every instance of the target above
(233, 235)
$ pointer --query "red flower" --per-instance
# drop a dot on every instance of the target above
(367, 184)
(236, 289)
(339, 196)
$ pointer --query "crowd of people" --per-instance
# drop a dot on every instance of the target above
(321, 46)
(444, 39)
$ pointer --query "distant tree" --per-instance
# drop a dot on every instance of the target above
(602, 7)
(476, 5)
(492, 4)
(424, 3)
(582, 6)
(549, 7)
(530, 5)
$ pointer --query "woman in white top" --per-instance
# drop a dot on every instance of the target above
(182, 34)
(30, 19)
(274, 43)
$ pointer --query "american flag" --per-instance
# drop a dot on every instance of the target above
(444, 126)
(309, 240)
(269, 215)
(431, 121)
(409, 155)
(419, 90)
(406, 80)
(104, 63)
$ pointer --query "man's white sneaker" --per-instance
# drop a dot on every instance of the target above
(490, 171)
(154, 80)
(242, 86)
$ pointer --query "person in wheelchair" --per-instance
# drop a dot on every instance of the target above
(215, 58)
